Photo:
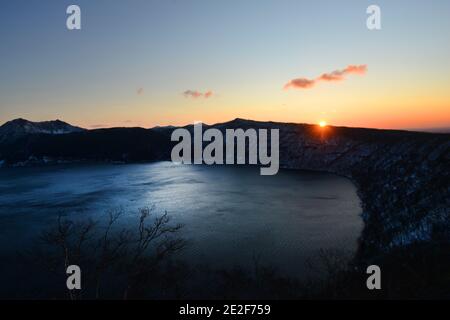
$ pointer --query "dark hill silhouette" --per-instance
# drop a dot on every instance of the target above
(12, 130)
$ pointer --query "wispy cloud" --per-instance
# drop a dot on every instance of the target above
(336, 75)
(194, 94)
(98, 126)
(339, 75)
(300, 83)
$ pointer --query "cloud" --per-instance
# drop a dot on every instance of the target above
(140, 91)
(339, 75)
(336, 75)
(300, 83)
(98, 126)
(194, 94)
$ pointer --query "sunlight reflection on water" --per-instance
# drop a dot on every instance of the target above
(230, 213)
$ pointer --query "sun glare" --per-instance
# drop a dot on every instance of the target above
(322, 124)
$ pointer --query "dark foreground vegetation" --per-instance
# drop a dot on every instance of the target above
(141, 262)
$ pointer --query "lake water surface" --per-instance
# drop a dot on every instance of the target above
(230, 214)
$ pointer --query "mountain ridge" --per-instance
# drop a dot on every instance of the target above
(72, 128)
(14, 129)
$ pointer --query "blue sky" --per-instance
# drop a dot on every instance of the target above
(242, 51)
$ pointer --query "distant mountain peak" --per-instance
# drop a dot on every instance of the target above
(19, 127)
(16, 121)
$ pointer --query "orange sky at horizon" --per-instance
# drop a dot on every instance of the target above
(337, 104)
(396, 115)
(393, 113)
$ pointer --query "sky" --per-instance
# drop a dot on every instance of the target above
(161, 62)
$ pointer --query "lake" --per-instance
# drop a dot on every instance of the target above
(230, 214)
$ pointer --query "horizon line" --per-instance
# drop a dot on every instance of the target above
(436, 130)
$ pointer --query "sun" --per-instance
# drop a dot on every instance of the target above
(322, 124)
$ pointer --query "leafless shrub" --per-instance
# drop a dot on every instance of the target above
(129, 256)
